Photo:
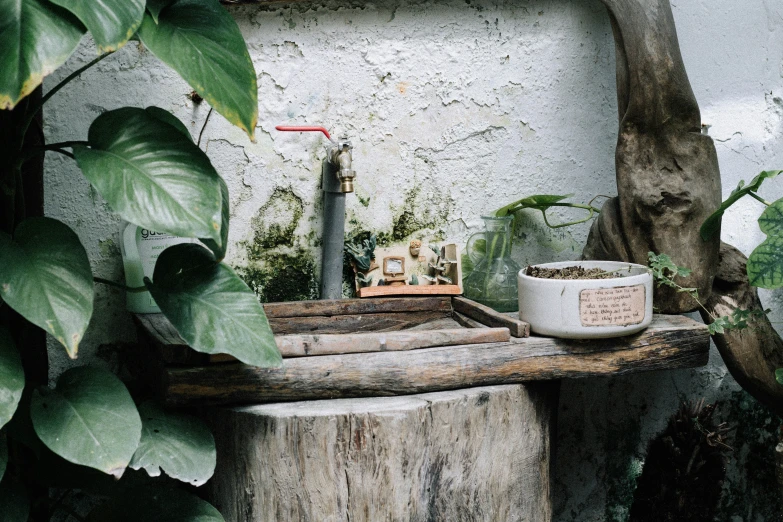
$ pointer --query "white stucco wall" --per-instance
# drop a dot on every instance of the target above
(455, 108)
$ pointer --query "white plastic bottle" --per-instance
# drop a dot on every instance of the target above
(140, 250)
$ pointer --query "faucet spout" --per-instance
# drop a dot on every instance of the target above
(341, 159)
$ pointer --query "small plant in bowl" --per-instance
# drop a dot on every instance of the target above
(586, 299)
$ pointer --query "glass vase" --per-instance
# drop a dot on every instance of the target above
(493, 281)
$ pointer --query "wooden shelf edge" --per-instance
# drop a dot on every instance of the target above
(409, 290)
(671, 344)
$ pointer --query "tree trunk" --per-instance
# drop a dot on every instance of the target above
(668, 180)
(474, 454)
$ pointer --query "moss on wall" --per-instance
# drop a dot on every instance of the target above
(276, 221)
(422, 211)
(623, 467)
(277, 277)
(279, 267)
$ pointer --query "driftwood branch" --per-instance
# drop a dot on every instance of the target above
(752, 355)
(668, 180)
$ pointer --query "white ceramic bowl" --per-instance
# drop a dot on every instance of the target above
(587, 308)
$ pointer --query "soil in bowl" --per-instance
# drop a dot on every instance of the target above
(571, 272)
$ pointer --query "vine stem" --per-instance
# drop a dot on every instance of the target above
(64, 153)
(56, 147)
(512, 208)
(759, 198)
(107, 282)
(206, 120)
(31, 113)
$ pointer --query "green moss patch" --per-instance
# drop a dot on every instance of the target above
(279, 277)
(276, 221)
(421, 211)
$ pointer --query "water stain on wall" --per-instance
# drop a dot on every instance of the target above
(426, 210)
(275, 222)
(282, 277)
(280, 265)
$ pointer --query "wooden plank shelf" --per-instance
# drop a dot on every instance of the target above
(406, 352)
(409, 290)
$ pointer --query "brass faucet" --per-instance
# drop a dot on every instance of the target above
(340, 158)
(339, 154)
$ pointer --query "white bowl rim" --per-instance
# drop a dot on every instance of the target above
(564, 264)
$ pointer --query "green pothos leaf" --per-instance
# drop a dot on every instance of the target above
(712, 224)
(219, 249)
(11, 377)
(765, 263)
(88, 419)
(111, 22)
(211, 307)
(150, 172)
(201, 41)
(36, 37)
(154, 7)
(45, 275)
(166, 117)
(181, 445)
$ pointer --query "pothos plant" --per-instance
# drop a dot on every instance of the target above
(539, 202)
(146, 166)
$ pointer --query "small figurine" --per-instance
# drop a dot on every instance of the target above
(363, 280)
(415, 248)
(429, 279)
(394, 268)
(440, 267)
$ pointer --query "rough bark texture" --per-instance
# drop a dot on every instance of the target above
(670, 342)
(668, 180)
(752, 355)
(480, 454)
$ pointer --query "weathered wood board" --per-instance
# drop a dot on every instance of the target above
(329, 344)
(670, 342)
(475, 454)
(346, 326)
(374, 291)
(486, 315)
(356, 306)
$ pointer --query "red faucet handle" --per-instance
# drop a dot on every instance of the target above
(301, 128)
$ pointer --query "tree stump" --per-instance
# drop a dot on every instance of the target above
(473, 454)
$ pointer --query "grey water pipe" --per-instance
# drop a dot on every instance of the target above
(333, 235)
(337, 180)
(337, 177)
